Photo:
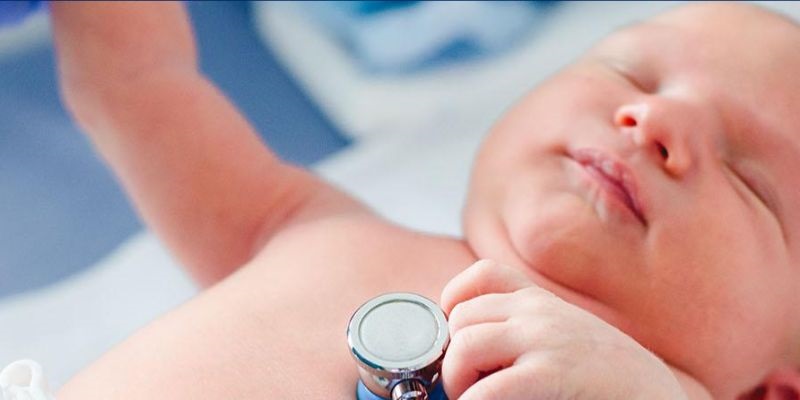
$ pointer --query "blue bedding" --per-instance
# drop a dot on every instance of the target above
(12, 12)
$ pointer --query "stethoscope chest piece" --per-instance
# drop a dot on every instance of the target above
(398, 341)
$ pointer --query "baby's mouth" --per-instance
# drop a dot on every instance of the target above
(613, 176)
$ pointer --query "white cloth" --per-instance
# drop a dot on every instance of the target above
(67, 325)
(24, 380)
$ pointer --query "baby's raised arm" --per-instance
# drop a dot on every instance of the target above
(195, 169)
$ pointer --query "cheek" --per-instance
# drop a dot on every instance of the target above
(540, 226)
(705, 255)
(713, 239)
(717, 297)
(569, 106)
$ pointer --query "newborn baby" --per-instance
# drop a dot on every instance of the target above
(639, 207)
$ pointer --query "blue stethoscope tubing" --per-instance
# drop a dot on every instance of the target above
(362, 393)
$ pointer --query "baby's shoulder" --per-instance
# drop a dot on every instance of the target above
(367, 247)
(364, 235)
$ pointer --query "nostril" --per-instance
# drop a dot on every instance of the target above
(631, 115)
(627, 121)
(662, 150)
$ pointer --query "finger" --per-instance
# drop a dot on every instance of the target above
(493, 307)
(485, 276)
(513, 383)
(500, 307)
(476, 350)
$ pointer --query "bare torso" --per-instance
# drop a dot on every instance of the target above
(276, 327)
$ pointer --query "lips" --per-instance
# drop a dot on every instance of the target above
(613, 176)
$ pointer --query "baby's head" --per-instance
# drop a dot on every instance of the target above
(655, 182)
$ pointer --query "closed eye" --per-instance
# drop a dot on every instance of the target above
(638, 83)
(761, 192)
(747, 183)
(625, 71)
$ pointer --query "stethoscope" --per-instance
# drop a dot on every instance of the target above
(398, 341)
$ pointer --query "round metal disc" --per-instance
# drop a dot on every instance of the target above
(398, 332)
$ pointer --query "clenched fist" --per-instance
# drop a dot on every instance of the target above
(512, 340)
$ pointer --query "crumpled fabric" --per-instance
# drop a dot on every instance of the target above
(24, 380)
(393, 37)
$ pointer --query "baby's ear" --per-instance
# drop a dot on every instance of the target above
(781, 384)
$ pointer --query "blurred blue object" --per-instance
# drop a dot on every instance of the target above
(15, 11)
(406, 36)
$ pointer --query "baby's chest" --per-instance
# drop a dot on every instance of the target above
(291, 305)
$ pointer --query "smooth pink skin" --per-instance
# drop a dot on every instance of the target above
(710, 283)
(512, 340)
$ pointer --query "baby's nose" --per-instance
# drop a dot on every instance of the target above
(653, 128)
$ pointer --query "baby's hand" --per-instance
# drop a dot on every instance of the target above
(511, 340)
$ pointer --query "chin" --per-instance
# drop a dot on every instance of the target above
(556, 252)
(554, 235)
(572, 248)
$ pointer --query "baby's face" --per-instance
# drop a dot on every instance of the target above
(655, 182)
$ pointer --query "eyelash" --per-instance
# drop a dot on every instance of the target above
(751, 188)
(628, 77)
(637, 83)
(746, 183)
